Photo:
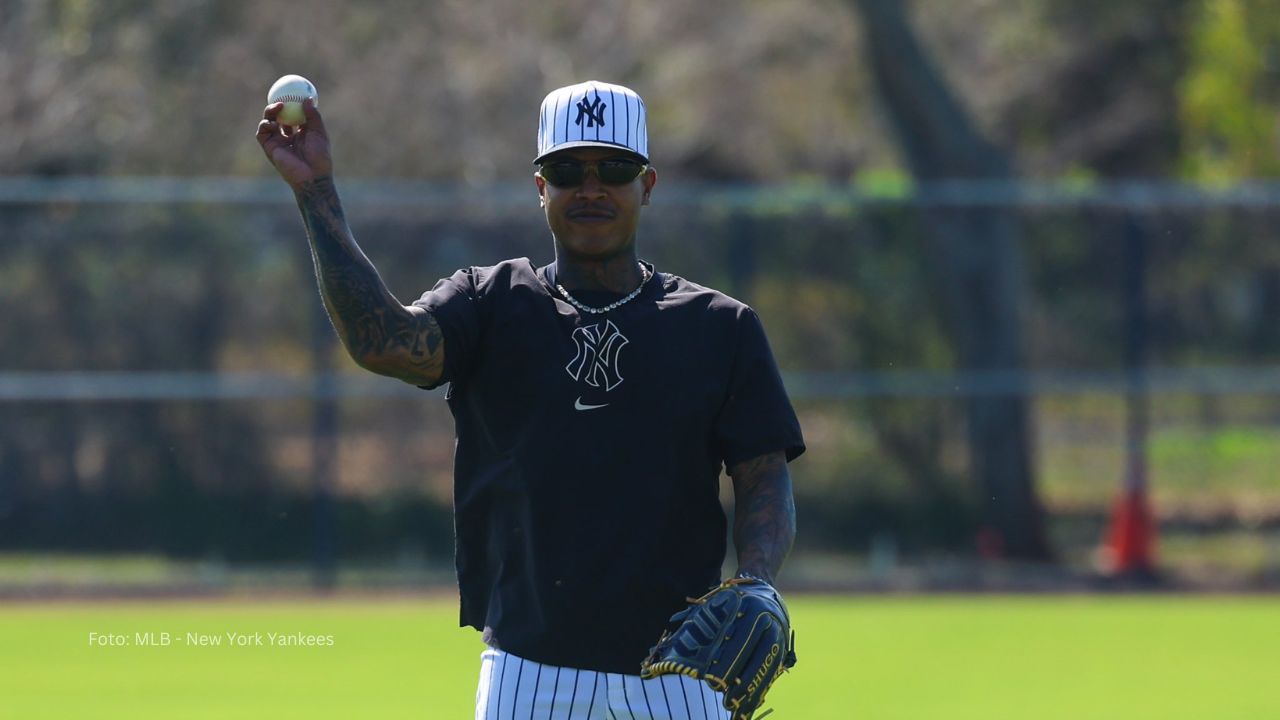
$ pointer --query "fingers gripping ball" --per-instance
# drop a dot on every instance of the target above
(737, 638)
(292, 90)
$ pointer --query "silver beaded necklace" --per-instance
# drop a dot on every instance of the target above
(645, 275)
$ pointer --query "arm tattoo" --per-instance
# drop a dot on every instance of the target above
(764, 524)
(379, 332)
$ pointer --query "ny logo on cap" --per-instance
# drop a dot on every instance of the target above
(593, 112)
(576, 116)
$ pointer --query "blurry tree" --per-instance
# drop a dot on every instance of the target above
(444, 90)
(1093, 89)
(447, 90)
(1230, 107)
(978, 264)
(749, 91)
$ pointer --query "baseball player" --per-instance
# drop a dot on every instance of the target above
(596, 399)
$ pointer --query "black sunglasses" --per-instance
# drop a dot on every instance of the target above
(572, 173)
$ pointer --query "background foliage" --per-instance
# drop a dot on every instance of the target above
(770, 99)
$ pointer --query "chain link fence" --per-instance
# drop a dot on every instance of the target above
(169, 384)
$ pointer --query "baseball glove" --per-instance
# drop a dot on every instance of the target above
(737, 638)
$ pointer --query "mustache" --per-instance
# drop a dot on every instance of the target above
(591, 210)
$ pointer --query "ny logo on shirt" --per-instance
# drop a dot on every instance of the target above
(596, 361)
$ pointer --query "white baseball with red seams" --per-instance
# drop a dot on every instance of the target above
(292, 90)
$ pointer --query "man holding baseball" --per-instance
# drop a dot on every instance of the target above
(596, 399)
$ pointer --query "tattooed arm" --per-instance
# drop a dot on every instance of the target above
(764, 525)
(381, 334)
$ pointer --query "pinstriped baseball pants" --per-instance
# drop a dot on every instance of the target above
(512, 688)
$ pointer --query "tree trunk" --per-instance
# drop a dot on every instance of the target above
(980, 268)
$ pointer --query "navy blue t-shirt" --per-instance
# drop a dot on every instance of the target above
(589, 451)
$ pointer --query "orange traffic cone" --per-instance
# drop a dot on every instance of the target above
(1131, 546)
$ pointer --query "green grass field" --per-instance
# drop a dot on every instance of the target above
(1086, 657)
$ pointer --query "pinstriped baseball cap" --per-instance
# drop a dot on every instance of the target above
(592, 114)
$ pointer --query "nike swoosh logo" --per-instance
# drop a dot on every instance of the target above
(577, 405)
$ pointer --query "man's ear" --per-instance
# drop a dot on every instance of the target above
(650, 179)
(542, 189)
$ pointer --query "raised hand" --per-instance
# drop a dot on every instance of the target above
(300, 154)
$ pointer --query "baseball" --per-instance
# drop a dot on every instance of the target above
(292, 90)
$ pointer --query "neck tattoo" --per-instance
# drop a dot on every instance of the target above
(644, 278)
